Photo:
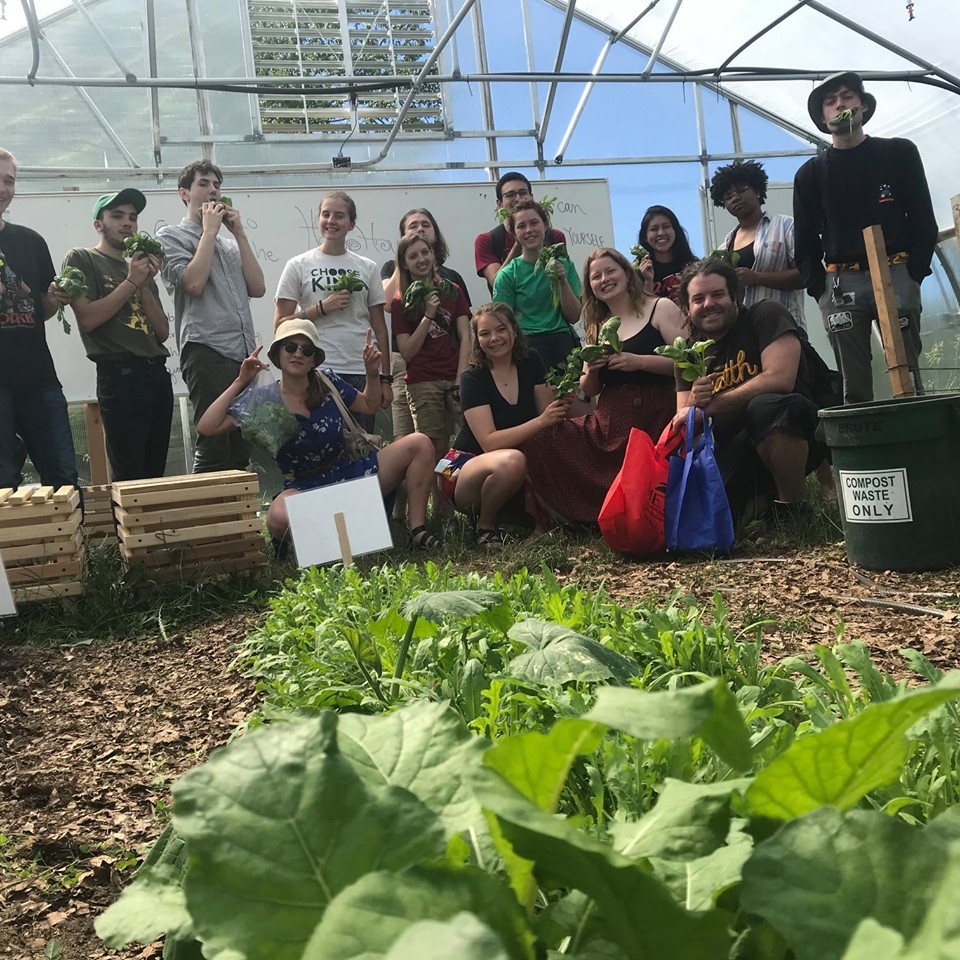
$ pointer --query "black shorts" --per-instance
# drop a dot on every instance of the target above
(744, 475)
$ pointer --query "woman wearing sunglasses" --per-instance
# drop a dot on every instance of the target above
(317, 455)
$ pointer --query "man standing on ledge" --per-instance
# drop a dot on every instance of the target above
(860, 181)
(494, 248)
(123, 327)
(211, 279)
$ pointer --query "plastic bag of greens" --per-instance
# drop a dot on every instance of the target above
(261, 415)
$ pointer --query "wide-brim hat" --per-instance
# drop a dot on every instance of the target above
(850, 80)
(127, 195)
(291, 328)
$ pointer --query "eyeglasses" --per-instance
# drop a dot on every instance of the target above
(735, 192)
(514, 194)
(307, 349)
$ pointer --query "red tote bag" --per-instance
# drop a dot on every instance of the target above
(631, 518)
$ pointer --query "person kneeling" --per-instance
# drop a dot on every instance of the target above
(505, 401)
(759, 391)
(317, 455)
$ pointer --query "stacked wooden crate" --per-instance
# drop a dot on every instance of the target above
(191, 526)
(98, 512)
(41, 543)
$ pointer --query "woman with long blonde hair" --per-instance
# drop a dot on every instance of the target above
(572, 468)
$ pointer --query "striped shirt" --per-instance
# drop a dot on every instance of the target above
(774, 249)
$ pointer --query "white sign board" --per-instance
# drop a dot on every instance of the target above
(7, 607)
(876, 496)
(313, 521)
(281, 222)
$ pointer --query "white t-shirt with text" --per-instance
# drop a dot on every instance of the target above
(342, 332)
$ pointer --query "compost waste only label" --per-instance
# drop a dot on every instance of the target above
(876, 496)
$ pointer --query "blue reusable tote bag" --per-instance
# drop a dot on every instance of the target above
(697, 512)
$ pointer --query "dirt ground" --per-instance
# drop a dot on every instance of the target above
(93, 736)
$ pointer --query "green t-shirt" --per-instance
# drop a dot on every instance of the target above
(528, 293)
(128, 332)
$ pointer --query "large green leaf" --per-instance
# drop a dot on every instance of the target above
(276, 825)
(576, 916)
(819, 876)
(641, 916)
(364, 920)
(707, 710)
(698, 883)
(871, 941)
(840, 765)
(689, 820)
(151, 907)
(538, 764)
(451, 603)
(463, 937)
(563, 655)
(423, 747)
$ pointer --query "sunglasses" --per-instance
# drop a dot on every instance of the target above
(307, 349)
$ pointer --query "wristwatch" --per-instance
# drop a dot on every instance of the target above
(583, 397)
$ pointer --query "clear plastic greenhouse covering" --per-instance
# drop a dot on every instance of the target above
(912, 66)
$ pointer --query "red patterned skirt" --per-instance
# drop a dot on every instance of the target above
(571, 466)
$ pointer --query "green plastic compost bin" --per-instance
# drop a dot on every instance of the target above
(897, 466)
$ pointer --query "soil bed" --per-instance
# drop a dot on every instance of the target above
(94, 735)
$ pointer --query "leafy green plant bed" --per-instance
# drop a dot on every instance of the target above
(519, 769)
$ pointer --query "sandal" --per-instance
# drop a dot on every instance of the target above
(492, 539)
(422, 539)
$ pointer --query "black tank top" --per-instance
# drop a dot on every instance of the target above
(641, 343)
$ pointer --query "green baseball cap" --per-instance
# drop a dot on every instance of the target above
(127, 195)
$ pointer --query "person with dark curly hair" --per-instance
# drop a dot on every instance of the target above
(764, 244)
(668, 252)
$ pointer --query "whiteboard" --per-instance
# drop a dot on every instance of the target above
(281, 222)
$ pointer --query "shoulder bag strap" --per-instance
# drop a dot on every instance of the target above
(338, 400)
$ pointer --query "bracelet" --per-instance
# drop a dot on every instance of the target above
(386, 378)
(132, 284)
(320, 310)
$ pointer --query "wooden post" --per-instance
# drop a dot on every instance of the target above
(345, 551)
(901, 379)
(96, 445)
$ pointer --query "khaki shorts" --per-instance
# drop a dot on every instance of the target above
(400, 408)
(435, 410)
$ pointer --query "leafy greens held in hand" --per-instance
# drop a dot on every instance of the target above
(420, 290)
(639, 251)
(347, 281)
(564, 379)
(143, 243)
(689, 359)
(270, 426)
(73, 283)
(551, 261)
(503, 213)
(727, 256)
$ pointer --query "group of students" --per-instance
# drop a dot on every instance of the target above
(475, 419)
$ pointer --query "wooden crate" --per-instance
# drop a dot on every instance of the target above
(41, 543)
(190, 527)
(98, 512)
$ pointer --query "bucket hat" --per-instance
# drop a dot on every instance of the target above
(292, 328)
(850, 80)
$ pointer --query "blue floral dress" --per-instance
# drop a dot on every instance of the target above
(319, 443)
